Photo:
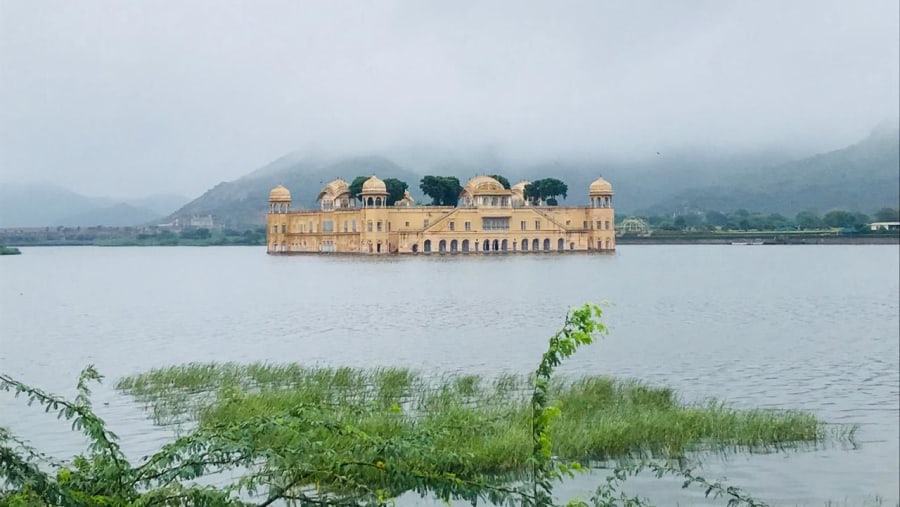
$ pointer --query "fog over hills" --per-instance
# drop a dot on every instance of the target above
(46, 205)
(861, 177)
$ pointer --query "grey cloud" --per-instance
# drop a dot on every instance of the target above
(176, 96)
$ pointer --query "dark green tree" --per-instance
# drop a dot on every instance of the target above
(356, 186)
(443, 190)
(546, 191)
(887, 215)
(716, 219)
(840, 218)
(395, 190)
(808, 220)
(503, 181)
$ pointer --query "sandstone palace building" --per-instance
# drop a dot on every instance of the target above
(488, 219)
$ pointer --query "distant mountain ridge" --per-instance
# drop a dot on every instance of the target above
(244, 201)
(861, 177)
(46, 205)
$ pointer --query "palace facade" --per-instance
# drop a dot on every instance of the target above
(488, 219)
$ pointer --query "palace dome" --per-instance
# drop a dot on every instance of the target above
(335, 189)
(484, 185)
(520, 186)
(280, 194)
(600, 186)
(374, 185)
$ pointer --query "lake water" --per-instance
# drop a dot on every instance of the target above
(807, 327)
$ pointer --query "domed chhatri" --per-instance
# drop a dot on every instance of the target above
(487, 219)
(600, 187)
(279, 200)
(374, 186)
(601, 193)
(280, 194)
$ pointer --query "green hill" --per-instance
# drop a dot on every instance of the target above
(862, 177)
(244, 202)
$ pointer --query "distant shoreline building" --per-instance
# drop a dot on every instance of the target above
(488, 219)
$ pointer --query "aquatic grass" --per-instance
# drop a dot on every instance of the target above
(482, 422)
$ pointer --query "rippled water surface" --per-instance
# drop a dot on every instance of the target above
(809, 327)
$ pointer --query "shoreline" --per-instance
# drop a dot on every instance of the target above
(767, 240)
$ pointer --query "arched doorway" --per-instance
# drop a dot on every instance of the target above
(524, 245)
(546, 244)
(495, 246)
(504, 245)
(536, 244)
(454, 246)
(486, 246)
(607, 243)
(465, 246)
(427, 246)
(442, 245)
(561, 245)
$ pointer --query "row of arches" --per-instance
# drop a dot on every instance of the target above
(498, 245)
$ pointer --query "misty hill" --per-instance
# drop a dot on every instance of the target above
(245, 201)
(117, 215)
(44, 204)
(861, 177)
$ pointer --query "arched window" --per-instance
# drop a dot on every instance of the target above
(496, 245)
(546, 244)
(504, 245)
(442, 245)
(561, 245)
(454, 246)
(465, 246)
(536, 245)
(427, 246)
(486, 247)
(524, 245)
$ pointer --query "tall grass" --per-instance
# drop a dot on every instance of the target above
(470, 420)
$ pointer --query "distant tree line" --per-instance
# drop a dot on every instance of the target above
(743, 220)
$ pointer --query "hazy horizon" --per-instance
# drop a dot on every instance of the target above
(173, 98)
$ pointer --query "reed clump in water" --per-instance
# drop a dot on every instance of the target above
(469, 419)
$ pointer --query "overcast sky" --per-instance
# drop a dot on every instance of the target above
(168, 96)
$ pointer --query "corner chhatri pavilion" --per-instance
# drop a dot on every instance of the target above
(488, 219)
